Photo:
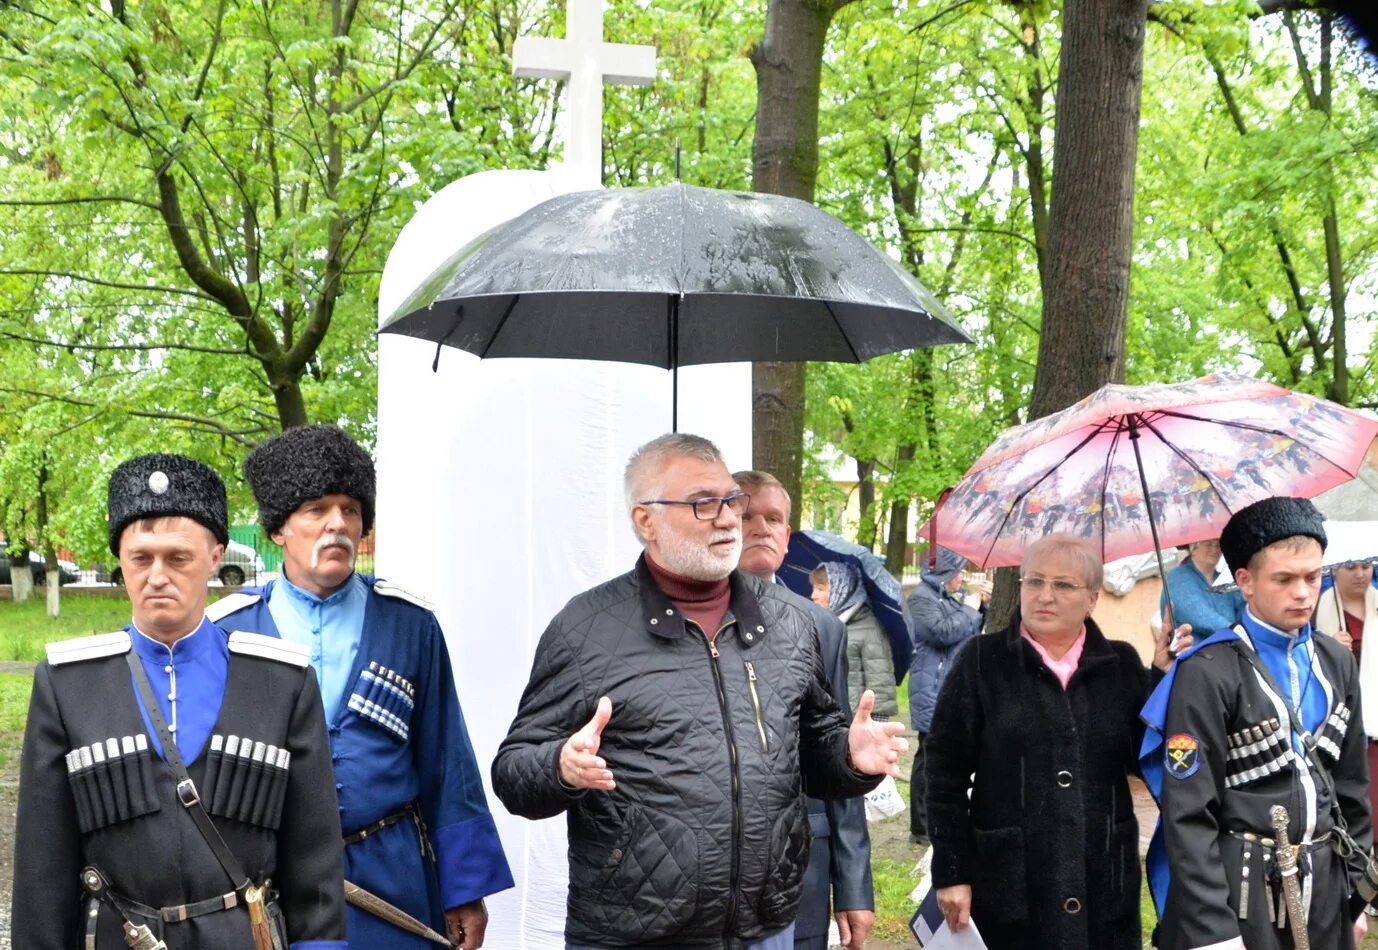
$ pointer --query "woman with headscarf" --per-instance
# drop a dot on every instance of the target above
(838, 587)
(1034, 735)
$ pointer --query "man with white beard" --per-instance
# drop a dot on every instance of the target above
(417, 829)
(678, 715)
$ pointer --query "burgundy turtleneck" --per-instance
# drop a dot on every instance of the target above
(704, 602)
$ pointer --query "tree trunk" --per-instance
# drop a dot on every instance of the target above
(1091, 219)
(21, 574)
(52, 569)
(866, 503)
(897, 538)
(788, 62)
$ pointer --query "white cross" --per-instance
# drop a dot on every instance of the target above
(585, 62)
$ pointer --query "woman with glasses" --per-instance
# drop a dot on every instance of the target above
(1034, 735)
(1347, 611)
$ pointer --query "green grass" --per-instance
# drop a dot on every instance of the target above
(893, 882)
(14, 709)
(26, 627)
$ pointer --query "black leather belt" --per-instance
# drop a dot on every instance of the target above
(171, 915)
(407, 811)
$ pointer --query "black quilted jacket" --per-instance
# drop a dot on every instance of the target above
(705, 840)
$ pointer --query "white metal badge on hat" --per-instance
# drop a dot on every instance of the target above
(157, 482)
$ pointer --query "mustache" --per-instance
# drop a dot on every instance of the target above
(331, 541)
(728, 535)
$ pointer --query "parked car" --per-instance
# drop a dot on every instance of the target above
(66, 570)
(241, 563)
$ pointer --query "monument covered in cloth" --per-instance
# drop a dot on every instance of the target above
(500, 481)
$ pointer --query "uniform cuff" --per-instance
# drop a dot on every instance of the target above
(470, 862)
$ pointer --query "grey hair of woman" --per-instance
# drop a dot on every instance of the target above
(1068, 547)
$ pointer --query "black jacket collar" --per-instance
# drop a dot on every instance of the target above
(1094, 652)
(661, 618)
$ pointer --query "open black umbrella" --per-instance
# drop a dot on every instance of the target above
(808, 549)
(674, 276)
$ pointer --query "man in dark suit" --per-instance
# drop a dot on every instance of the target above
(840, 859)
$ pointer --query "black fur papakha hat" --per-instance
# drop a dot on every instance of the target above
(306, 463)
(156, 486)
(1252, 529)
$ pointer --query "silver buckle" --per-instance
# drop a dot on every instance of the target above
(186, 793)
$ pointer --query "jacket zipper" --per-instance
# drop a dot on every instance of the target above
(756, 705)
(729, 926)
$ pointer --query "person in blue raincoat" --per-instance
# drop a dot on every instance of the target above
(418, 831)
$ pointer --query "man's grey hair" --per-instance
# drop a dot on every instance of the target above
(643, 479)
(750, 479)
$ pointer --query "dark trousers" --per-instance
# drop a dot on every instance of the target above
(918, 792)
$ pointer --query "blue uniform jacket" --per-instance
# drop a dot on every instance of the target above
(399, 737)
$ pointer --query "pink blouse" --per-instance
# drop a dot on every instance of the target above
(1065, 667)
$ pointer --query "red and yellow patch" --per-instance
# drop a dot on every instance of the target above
(1181, 755)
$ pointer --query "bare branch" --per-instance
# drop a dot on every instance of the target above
(242, 436)
(87, 199)
(118, 285)
(121, 347)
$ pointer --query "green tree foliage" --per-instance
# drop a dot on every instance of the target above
(197, 198)
(938, 130)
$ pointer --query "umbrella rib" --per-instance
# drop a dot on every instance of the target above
(502, 322)
(1105, 485)
(827, 305)
(1235, 424)
(1186, 458)
(1100, 427)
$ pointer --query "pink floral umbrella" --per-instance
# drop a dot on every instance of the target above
(1134, 468)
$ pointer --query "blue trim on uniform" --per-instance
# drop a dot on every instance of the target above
(1152, 764)
(1275, 648)
(190, 675)
(319, 945)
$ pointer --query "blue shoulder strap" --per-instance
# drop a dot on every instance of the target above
(1154, 716)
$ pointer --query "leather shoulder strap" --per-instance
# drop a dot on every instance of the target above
(186, 788)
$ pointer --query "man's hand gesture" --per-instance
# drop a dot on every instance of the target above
(580, 764)
(875, 747)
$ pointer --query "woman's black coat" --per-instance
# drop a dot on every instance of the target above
(1048, 839)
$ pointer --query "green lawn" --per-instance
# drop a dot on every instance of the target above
(26, 627)
(14, 708)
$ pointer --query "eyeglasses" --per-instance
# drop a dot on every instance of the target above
(709, 508)
(1060, 588)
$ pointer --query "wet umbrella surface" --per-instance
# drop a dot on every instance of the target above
(674, 276)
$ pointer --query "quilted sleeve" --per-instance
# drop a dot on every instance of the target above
(823, 738)
(526, 770)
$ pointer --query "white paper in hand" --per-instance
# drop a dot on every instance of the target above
(930, 929)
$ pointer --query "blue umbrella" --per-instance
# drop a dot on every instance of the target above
(808, 549)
